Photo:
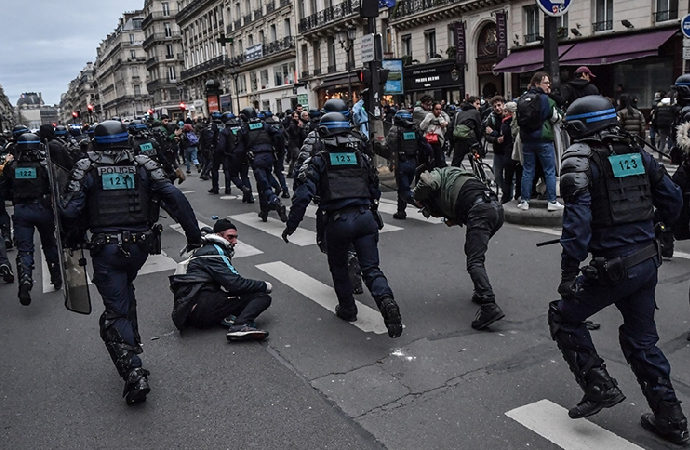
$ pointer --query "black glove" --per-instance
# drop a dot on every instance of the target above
(286, 233)
(568, 286)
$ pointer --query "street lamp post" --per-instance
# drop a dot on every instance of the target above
(347, 39)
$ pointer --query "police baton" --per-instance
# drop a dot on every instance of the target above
(551, 242)
(642, 141)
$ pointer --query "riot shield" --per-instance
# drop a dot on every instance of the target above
(75, 286)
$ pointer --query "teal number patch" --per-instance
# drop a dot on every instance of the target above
(343, 159)
(234, 131)
(626, 165)
(117, 181)
(25, 172)
(409, 135)
(146, 147)
(255, 126)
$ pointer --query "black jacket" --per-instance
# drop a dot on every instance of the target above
(579, 87)
(209, 269)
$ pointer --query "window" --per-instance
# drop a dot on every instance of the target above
(262, 37)
(284, 74)
(666, 10)
(300, 9)
(305, 58)
(131, 38)
(169, 53)
(241, 84)
(287, 31)
(313, 8)
(317, 57)
(562, 25)
(266, 105)
(168, 29)
(171, 73)
(251, 40)
(331, 54)
(273, 34)
(603, 19)
(430, 43)
(253, 82)
(132, 54)
(406, 43)
(264, 79)
(531, 23)
(137, 89)
(166, 8)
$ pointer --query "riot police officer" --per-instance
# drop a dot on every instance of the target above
(259, 140)
(5, 266)
(26, 181)
(408, 145)
(231, 151)
(114, 193)
(347, 183)
(280, 148)
(611, 189)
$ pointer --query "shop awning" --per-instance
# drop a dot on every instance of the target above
(617, 49)
(526, 60)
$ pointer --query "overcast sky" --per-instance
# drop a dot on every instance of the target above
(45, 43)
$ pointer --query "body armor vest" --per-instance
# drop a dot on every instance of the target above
(30, 182)
(622, 194)
(145, 146)
(230, 139)
(347, 175)
(407, 142)
(119, 197)
(258, 138)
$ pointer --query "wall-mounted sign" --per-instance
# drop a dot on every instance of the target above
(554, 8)
(394, 84)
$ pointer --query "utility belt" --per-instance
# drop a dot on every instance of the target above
(335, 215)
(615, 269)
(402, 157)
(149, 240)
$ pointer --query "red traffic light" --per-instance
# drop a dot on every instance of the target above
(150, 112)
(183, 106)
(89, 107)
(75, 114)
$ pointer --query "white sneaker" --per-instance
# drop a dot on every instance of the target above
(523, 205)
(554, 206)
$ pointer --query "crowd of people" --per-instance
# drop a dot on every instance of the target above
(103, 185)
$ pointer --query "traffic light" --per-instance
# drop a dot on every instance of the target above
(89, 107)
(183, 107)
(150, 112)
(75, 114)
(365, 77)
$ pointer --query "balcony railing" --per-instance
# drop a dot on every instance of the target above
(216, 63)
(267, 50)
(411, 7)
(329, 15)
(317, 70)
(285, 2)
(247, 19)
(532, 37)
(669, 14)
(305, 74)
(237, 24)
(270, 6)
(158, 15)
(258, 14)
(602, 25)
(331, 68)
(160, 37)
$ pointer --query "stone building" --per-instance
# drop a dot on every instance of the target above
(7, 119)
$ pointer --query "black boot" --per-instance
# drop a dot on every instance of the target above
(401, 215)
(281, 210)
(6, 273)
(263, 214)
(346, 314)
(488, 313)
(55, 275)
(213, 190)
(668, 422)
(601, 391)
(391, 315)
(25, 292)
(136, 386)
(286, 193)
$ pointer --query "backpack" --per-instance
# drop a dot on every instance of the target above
(462, 128)
(664, 117)
(529, 112)
(191, 137)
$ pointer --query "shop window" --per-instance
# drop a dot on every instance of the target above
(666, 10)
(603, 18)
(531, 23)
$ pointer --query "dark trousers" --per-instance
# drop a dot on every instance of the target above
(4, 221)
(278, 170)
(3, 253)
(26, 218)
(634, 297)
(355, 227)
(213, 306)
(460, 149)
(439, 159)
(219, 158)
(113, 274)
(404, 174)
(262, 166)
(483, 220)
(512, 179)
(206, 160)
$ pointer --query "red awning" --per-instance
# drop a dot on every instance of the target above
(526, 60)
(617, 49)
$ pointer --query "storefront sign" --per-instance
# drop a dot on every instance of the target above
(433, 76)
(213, 103)
(460, 50)
(501, 35)
(225, 102)
(394, 84)
(554, 8)
(254, 52)
(303, 99)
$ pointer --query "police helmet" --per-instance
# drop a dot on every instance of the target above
(682, 87)
(336, 105)
(216, 115)
(403, 118)
(588, 115)
(28, 146)
(685, 114)
(314, 114)
(60, 130)
(110, 134)
(261, 115)
(75, 130)
(18, 130)
(247, 114)
(136, 126)
(268, 113)
(228, 117)
(332, 124)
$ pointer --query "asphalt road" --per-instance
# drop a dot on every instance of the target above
(319, 382)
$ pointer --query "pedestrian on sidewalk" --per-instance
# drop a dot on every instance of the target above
(462, 199)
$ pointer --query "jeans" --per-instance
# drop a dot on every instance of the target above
(356, 227)
(483, 221)
(663, 139)
(213, 306)
(546, 153)
(501, 163)
(26, 218)
(190, 156)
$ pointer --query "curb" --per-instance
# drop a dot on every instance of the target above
(536, 215)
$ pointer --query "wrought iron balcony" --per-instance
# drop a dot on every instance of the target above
(532, 37)
(668, 14)
(237, 24)
(160, 37)
(216, 63)
(305, 74)
(279, 45)
(602, 25)
(247, 19)
(317, 70)
(285, 2)
(331, 68)
(258, 14)
(270, 6)
(411, 7)
(329, 15)
(158, 15)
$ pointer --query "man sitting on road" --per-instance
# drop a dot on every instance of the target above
(212, 292)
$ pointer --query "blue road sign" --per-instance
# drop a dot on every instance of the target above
(554, 8)
(685, 26)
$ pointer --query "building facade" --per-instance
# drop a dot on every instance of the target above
(33, 112)
(120, 70)
(164, 56)
(261, 50)
(7, 120)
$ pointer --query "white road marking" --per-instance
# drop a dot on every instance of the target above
(368, 319)
(677, 254)
(235, 197)
(158, 263)
(311, 212)
(551, 421)
(391, 207)
(242, 249)
(542, 230)
(275, 227)
(187, 192)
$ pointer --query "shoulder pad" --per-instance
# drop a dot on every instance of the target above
(78, 172)
(151, 166)
(578, 149)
